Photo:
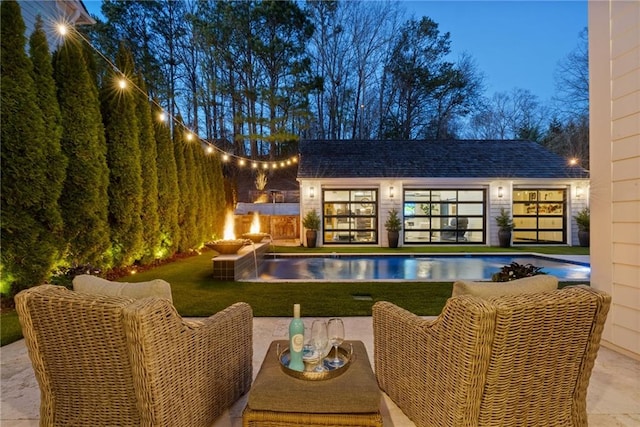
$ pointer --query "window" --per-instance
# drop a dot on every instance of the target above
(350, 216)
(539, 216)
(444, 216)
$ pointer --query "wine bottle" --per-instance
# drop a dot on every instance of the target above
(296, 340)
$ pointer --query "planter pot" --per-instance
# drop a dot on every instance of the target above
(393, 238)
(584, 238)
(504, 238)
(312, 236)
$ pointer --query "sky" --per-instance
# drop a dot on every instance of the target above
(515, 44)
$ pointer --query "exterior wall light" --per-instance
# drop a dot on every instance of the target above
(579, 192)
(392, 192)
(312, 192)
(500, 192)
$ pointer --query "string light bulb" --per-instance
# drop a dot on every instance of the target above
(65, 29)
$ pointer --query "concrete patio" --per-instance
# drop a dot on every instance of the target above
(613, 398)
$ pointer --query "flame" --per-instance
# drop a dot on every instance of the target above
(229, 225)
(255, 224)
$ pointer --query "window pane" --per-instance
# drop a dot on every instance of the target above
(336, 195)
(470, 209)
(444, 216)
(470, 195)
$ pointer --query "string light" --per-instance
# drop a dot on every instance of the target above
(123, 83)
(62, 29)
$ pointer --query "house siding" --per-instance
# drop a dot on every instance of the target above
(614, 58)
(53, 12)
(575, 201)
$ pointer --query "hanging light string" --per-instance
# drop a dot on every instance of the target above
(125, 82)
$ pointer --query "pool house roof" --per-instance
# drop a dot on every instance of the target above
(432, 158)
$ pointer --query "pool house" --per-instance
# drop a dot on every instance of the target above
(446, 192)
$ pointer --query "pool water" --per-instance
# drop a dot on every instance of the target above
(434, 267)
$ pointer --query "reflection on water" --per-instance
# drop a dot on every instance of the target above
(445, 268)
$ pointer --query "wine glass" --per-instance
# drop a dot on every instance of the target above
(318, 346)
(335, 330)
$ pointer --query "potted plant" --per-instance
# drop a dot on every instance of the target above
(311, 222)
(393, 226)
(583, 219)
(505, 225)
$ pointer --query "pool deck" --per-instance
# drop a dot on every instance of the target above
(612, 400)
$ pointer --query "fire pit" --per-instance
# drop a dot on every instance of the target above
(255, 237)
(227, 247)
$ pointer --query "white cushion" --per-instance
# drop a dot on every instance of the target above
(98, 286)
(526, 285)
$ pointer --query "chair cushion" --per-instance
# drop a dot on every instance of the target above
(89, 284)
(527, 285)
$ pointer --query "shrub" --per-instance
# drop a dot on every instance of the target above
(393, 223)
(311, 220)
(515, 271)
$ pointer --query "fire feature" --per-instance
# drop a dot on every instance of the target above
(254, 233)
(228, 245)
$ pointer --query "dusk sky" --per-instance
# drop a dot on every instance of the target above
(514, 43)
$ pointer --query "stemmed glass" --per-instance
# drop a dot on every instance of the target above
(318, 346)
(335, 329)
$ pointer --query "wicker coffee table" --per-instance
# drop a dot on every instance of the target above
(277, 399)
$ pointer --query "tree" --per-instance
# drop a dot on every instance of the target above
(572, 79)
(56, 162)
(184, 196)
(84, 200)
(572, 105)
(123, 158)
(168, 191)
(417, 69)
(149, 171)
(28, 249)
(509, 115)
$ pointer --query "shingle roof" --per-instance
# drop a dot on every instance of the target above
(435, 159)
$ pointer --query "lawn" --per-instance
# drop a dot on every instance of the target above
(196, 294)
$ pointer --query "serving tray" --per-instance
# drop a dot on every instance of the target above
(329, 371)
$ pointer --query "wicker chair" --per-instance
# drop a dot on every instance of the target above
(108, 360)
(517, 360)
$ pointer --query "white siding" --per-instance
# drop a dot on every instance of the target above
(614, 58)
(52, 13)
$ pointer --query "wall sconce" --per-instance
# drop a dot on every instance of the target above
(392, 192)
(579, 192)
(312, 192)
(500, 192)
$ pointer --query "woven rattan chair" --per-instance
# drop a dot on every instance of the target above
(517, 360)
(114, 361)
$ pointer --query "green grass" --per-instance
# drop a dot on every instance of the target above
(196, 294)
(10, 330)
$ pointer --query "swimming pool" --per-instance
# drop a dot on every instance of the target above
(417, 267)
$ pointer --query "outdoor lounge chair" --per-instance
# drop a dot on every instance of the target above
(109, 360)
(515, 360)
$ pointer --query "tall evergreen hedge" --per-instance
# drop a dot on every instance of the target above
(28, 252)
(118, 107)
(168, 191)
(148, 157)
(57, 162)
(84, 200)
(183, 186)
